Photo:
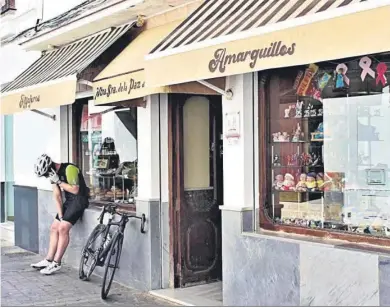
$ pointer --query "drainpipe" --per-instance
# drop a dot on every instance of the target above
(160, 203)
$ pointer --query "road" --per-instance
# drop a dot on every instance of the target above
(24, 286)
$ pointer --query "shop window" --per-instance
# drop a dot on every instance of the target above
(108, 153)
(325, 147)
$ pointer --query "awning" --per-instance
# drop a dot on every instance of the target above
(231, 37)
(51, 81)
(125, 79)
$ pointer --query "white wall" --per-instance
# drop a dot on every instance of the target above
(239, 158)
(14, 61)
(53, 8)
(2, 150)
(34, 134)
(148, 149)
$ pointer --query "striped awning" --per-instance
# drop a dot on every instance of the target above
(51, 80)
(234, 28)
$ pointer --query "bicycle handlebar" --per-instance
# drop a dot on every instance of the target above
(112, 209)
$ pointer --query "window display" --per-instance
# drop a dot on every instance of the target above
(109, 154)
(329, 145)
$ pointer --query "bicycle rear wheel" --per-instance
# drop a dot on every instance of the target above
(112, 262)
(88, 261)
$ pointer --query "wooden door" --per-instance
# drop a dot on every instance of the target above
(196, 161)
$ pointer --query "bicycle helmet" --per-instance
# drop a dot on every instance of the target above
(43, 164)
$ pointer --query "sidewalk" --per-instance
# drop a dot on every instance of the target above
(24, 286)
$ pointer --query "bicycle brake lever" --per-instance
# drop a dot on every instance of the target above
(143, 220)
(101, 214)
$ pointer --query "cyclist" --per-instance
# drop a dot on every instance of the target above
(66, 177)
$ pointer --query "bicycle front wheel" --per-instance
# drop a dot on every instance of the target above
(88, 260)
(112, 263)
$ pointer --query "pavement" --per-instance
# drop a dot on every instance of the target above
(23, 286)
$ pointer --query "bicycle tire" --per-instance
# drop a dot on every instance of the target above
(99, 229)
(116, 246)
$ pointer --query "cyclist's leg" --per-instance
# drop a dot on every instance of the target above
(63, 240)
(54, 228)
(72, 215)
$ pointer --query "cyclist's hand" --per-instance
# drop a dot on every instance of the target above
(54, 178)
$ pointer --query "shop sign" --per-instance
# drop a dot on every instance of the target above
(223, 59)
(123, 87)
(46, 95)
(26, 101)
(232, 128)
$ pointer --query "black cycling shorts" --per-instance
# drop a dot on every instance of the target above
(73, 210)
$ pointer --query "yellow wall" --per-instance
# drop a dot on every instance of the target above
(196, 143)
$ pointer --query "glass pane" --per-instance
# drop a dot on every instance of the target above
(328, 151)
(109, 154)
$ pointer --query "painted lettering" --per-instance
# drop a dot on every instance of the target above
(26, 101)
(222, 59)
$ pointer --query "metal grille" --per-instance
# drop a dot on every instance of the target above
(67, 60)
(217, 18)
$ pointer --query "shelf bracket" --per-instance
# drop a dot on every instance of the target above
(228, 93)
(50, 116)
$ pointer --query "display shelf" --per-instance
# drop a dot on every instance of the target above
(289, 142)
(317, 192)
(293, 166)
(303, 118)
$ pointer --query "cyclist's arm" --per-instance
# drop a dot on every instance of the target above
(57, 199)
(72, 177)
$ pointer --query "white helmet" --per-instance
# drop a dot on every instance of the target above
(43, 164)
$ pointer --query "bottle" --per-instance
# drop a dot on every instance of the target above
(108, 240)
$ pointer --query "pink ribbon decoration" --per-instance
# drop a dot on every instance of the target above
(381, 70)
(365, 64)
(345, 69)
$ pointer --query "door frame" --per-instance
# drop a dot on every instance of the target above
(176, 179)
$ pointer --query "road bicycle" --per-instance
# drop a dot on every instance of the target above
(103, 248)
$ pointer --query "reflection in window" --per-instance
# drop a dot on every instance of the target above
(109, 154)
(328, 151)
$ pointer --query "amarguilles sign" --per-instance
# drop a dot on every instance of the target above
(222, 59)
(26, 101)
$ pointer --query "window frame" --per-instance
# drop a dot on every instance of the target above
(265, 221)
(76, 141)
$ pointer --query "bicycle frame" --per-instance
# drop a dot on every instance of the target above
(102, 251)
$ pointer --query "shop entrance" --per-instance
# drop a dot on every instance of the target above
(196, 188)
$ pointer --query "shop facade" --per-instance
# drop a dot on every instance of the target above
(258, 158)
(115, 127)
(305, 175)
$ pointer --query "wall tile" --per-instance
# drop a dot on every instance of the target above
(338, 277)
(26, 218)
(257, 271)
(384, 281)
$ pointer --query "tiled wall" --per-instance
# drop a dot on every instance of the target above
(140, 263)
(262, 270)
(26, 218)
